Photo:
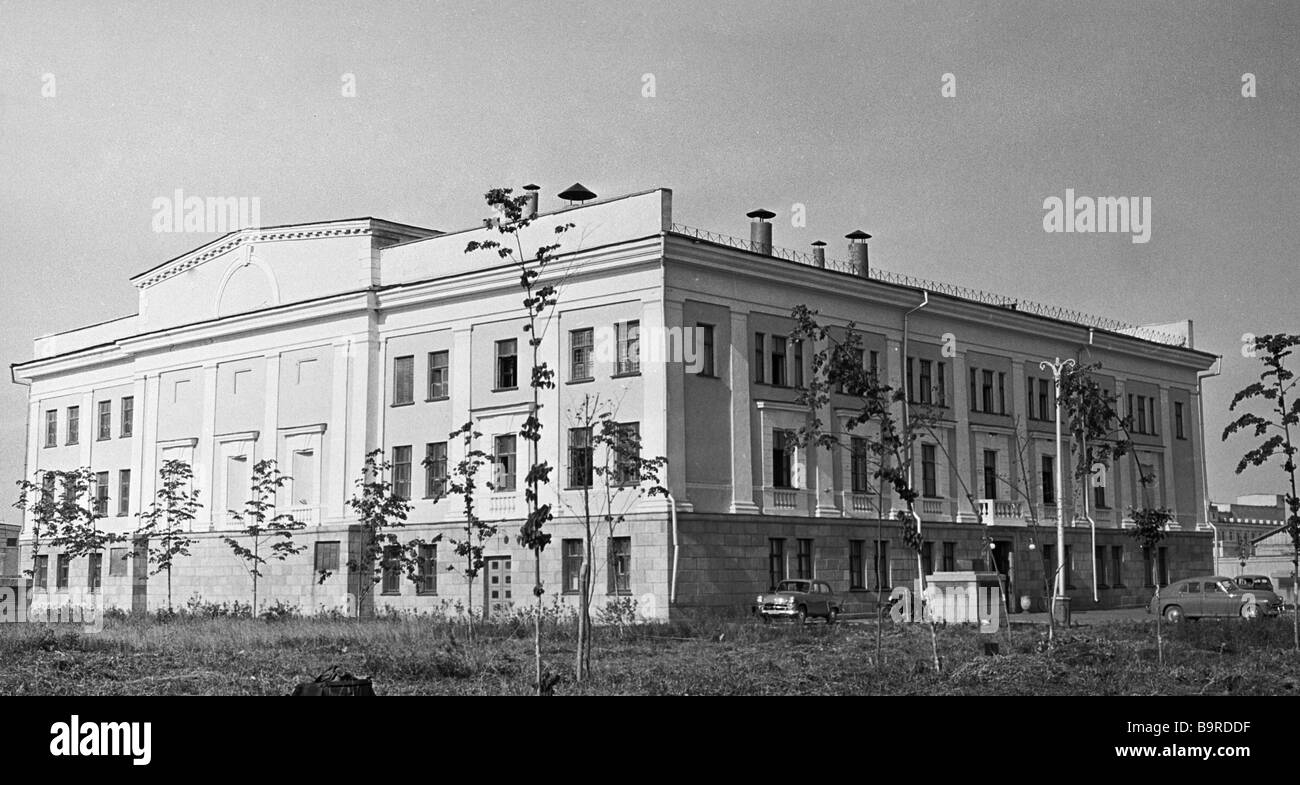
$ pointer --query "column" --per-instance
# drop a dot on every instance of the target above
(334, 496)
(1197, 434)
(738, 379)
(655, 415)
(964, 449)
(138, 441)
(204, 470)
(35, 438)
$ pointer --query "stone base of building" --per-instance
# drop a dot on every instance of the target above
(708, 562)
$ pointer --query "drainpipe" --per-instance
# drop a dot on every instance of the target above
(27, 457)
(1200, 377)
(672, 590)
(907, 430)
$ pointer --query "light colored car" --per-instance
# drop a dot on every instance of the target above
(798, 599)
(1213, 596)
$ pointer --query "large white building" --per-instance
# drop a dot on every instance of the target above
(315, 344)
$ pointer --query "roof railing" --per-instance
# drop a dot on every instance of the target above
(1059, 313)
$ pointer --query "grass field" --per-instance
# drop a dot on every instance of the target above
(414, 656)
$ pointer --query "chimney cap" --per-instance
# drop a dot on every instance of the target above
(818, 244)
(761, 214)
(531, 187)
(858, 234)
(577, 193)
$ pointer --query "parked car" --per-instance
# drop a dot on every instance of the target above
(798, 599)
(1213, 596)
(1255, 582)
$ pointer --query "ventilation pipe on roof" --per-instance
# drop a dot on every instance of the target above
(819, 254)
(760, 231)
(858, 251)
(530, 205)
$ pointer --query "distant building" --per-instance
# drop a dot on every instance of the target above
(1241, 522)
(316, 343)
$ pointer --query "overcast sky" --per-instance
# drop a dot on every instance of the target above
(835, 106)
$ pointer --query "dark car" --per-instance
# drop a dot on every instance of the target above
(1213, 596)
(798, 599)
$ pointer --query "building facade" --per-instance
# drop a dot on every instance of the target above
(316, 344)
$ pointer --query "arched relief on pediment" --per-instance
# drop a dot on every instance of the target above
(248, 284)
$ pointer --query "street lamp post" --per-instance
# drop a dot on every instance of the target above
(1056, 368)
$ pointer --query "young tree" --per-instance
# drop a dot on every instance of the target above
(40, 500)
(78, 531)
(611, 475)
(539, 302)
(379, 511)
(477, 531)
(269, 534)
(1276, 387)
(838, 367)
(165, 524)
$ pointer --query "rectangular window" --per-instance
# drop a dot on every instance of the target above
(435, 470)
(627, 454)
(392, 570)
(629, 347)
(402, 471)
(1044, 402)
(95, 572)
(52, 428)
(507, 371)
(974, 401)
(1117, 565)
(101, 493)
(582, 344)
(74, 424)
(986, 393)
(128, 417)
(61, 571)
(927, 382)
(798, 363)
(1049, 480)
(1163, 565)
(874, 365)
(927, 558)
(124, 493)
(1151, 416)
(940, 387)
(404, 380)
(572, 564)
(41, 570)
(1069, 566)
(708, 364)
(439, 375)
(1049, 564)
(990, 474)
(620, 566)
(910, 381)
(1002, 393)
(1099, 497)
(1149, 568)
(859, 475)
(580, 457)
(949, 557)
(775, 562)
(782, 458)
(327, 557)
(929, 485)
(880, 579)
(1099, 554)
(427, 569)
(117, 562)
(857, 576)
(104, 423)
(504, 463)
(804, 558)
(760, 358)
(1029, 399)
(1178, 421)
(778, 361)
(1142, 414)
